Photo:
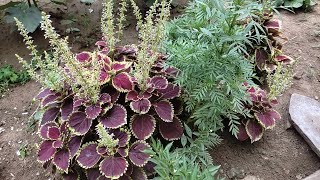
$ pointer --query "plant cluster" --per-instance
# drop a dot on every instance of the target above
(295, 3)
(100, 108)
(264, 116)
(9, 76)
(268, 52)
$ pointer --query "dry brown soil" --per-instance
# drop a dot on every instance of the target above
(281, 154)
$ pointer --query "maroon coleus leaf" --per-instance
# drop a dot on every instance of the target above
(132, 96)
(44, 93)
(273, 26)
(122, 82)
(71, 176)
(104, 76)
(74, 145)
(158, 82)
(50, 115)
(113, 167)
(254, 130)
(172, 71)
(88, 156)
(138, 173)
(93, 111)
(261, 57)
(115, 117)
(171, 130)
(268, 118)
(93, 174)
(120, 66)
(284, 59)
(141, 106)
(83, 57)
(122, 135)
(170, 92)
(242, 134)
(101, 44)
(123, 152)
(61, 159)
(149, 168)
(104, 98)
(77, 102)
(46, 151)
(113, 93)
(66, 109)
(50, 99)
(43, 130)
(57, 144)
(164, 110)
(80, 123)
(142, 126)
(102, 150)
(137, 155)
(53, 133)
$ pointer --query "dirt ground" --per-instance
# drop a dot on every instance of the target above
(281, 154)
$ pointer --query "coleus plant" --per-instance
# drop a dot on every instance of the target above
(108, 137)
(264, 116)
(269, 53)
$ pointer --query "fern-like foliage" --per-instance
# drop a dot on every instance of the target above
(208, 44)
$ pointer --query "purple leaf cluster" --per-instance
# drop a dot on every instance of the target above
(264, 116)
(269, 53)
(130, 115)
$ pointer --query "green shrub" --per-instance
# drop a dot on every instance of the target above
(9, 76)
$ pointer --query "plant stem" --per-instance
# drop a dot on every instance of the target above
(29, 3)
(35, 3)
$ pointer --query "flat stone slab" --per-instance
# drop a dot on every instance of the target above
(305, 117)
(314, 176)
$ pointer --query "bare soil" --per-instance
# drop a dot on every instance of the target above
(281, 154)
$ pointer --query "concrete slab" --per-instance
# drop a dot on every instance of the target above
(314, 176)
(305, 117)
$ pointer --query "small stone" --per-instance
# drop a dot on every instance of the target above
(316, 97)
(249, 177)
(11, 128)
(37, 174)
(288, 125)
(1, 130)
(235, 173)
(299, 176)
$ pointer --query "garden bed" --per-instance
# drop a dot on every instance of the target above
(281, 154)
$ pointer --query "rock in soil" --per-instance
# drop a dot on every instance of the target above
(314, 176)
(305, 117)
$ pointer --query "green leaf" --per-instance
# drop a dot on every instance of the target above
(66, 22)
(9, 4)
(29, 16)
(60, 2)
(293, 3)
(184, 140)
(72, 30)
(87, 1)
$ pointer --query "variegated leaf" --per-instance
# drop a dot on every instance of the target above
(137, 155)
(171, 130)
(88, 156)
(113, 167)
(142, 126)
